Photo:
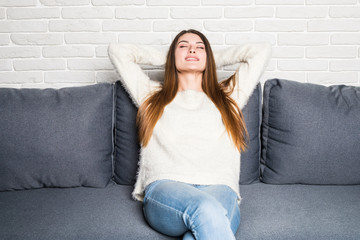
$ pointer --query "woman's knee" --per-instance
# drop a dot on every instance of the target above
(209, 211)
(163, 218)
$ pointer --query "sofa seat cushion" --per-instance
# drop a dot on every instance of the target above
(267, 212)
(73, 214)
(299, 212)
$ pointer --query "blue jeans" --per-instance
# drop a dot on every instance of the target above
(194, 211)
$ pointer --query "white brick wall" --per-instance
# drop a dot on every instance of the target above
(57, 43)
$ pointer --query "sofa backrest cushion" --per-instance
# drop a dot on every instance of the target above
(56, 138)
(310, 133)
(250, 159)
(127, 148)
(127, 145)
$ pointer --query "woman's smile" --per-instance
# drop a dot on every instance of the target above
(192, 58)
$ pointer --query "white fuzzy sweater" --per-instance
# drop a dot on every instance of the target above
(189, 142)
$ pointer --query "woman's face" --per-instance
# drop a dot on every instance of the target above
(190, 54)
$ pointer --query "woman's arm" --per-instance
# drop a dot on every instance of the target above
(253, 59)
(125, 58)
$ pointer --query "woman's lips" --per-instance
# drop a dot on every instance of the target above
(191, 59)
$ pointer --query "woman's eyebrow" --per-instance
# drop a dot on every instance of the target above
(183, 41)
(188, 42)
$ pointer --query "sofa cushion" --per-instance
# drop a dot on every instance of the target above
(127, 145)
(267, 212)
(250, 159)
(298, 212)
(310, 134)
(72, 214)
(56, 138)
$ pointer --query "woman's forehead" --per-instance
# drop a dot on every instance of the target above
(190, 38)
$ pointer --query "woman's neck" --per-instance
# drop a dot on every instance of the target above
(190, 81)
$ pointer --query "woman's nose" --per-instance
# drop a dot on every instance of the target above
(192, 50)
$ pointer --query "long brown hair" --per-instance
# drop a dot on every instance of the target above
(219, 93)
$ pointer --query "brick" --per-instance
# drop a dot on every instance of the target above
(70, 77)
(280, 2)
(89, 64)
(10, 85)
(332, 77)
(334, 25)
(290, 75)
(37, 39)
(5, 65)
(270, 67)
(20, 52)
(117, 2)
(68, 51)
(88, 12)
(345, 38)
(64, 2)
(241, 38)
(90, 38)
(331, 52)
(74, 26)
(2, 13)
(303, 39)
(20, 77)
(18, 3)
(4, 39)
(345, 65)
(102, 51)
(197, 13)
(107, 76)
(173, 2)
(249, 12)
(127, 25)
(32, 13)
(280, 25)
(52, 85)
(330, 2)
(227, 2)
(228, 25)
(302, 65)
(145, 38)
(39, 64)
(287, 52)
(215, 38)
(176, 25)
(142, 13)
(345, 12)
(22, 26)
(301, 12)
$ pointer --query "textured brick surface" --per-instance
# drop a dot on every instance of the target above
(57, 43)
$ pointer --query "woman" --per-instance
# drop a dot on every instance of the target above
(191, 132)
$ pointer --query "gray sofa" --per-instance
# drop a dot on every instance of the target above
(68, 161)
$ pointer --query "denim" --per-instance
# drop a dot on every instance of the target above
(192, 211)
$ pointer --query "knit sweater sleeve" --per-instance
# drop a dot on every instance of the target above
(126, 59)
(253, 59)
